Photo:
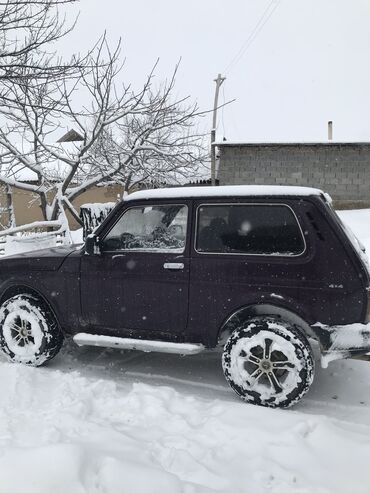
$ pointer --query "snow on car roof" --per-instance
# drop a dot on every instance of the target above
(225, 191)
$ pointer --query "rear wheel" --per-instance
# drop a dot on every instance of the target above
(29, 332)
(268, 362)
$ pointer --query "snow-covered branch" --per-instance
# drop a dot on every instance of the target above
(128, 136)
(33, 226)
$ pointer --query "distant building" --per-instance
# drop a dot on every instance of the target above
(26, 208)
(341, 169)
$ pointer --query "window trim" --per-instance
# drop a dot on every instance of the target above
(269, 255)
(136, 250)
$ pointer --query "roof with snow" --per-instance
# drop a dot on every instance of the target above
(225, 191)
(330, 143)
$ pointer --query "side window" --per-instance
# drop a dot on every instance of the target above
(248, 229)
(151, 228)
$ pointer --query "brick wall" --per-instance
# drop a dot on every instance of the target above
(342, 170)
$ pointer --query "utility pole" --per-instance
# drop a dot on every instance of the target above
(219, 82)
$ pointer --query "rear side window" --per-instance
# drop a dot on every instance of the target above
(248, 229)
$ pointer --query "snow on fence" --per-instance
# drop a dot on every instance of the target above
(94, 214)
(20, 244)
(46, 234)
(32, 236)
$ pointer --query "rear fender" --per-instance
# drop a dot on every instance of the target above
(247, 312)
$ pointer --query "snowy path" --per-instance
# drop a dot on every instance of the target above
(105, 421)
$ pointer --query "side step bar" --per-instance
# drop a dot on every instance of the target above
(83, 339)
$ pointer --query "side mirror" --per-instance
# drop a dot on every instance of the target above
(92, 245)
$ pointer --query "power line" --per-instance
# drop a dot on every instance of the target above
(266, 15)
(250, 35)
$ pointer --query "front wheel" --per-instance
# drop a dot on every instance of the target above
(268, 362)
(29, 332)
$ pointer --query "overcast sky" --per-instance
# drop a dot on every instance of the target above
(309, 63)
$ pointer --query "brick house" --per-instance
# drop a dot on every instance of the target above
(341, 169)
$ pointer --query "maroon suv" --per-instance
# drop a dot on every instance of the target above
(259, 273)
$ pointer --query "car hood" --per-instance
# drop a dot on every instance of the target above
(49, 259)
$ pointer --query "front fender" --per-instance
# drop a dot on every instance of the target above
(62, 297)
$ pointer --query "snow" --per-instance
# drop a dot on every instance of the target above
(97, 208)
(225, 191)
(77, 236)
(18, 314)
(99, 420)
(240, 375)
(26, 352)
(94, 213)
(351, 336)
(20, 244)
(268, 143)
(344, 338)
(358, 221)
(278, 296)
(28, 243)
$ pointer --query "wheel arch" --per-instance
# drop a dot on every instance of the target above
(20, 288)
(259, 310)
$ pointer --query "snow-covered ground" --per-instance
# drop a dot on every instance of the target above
(106, 421)
(359, 222)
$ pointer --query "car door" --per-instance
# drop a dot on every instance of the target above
(245, 252)
(139, 284)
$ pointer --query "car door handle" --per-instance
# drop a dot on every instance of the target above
(173, 265)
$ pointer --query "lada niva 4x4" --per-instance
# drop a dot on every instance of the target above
(261, 274)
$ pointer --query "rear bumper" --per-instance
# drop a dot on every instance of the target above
(343, 341)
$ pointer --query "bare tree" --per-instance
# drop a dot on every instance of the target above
(129, 136)
(28, 29)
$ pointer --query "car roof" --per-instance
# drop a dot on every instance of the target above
(226, 191)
